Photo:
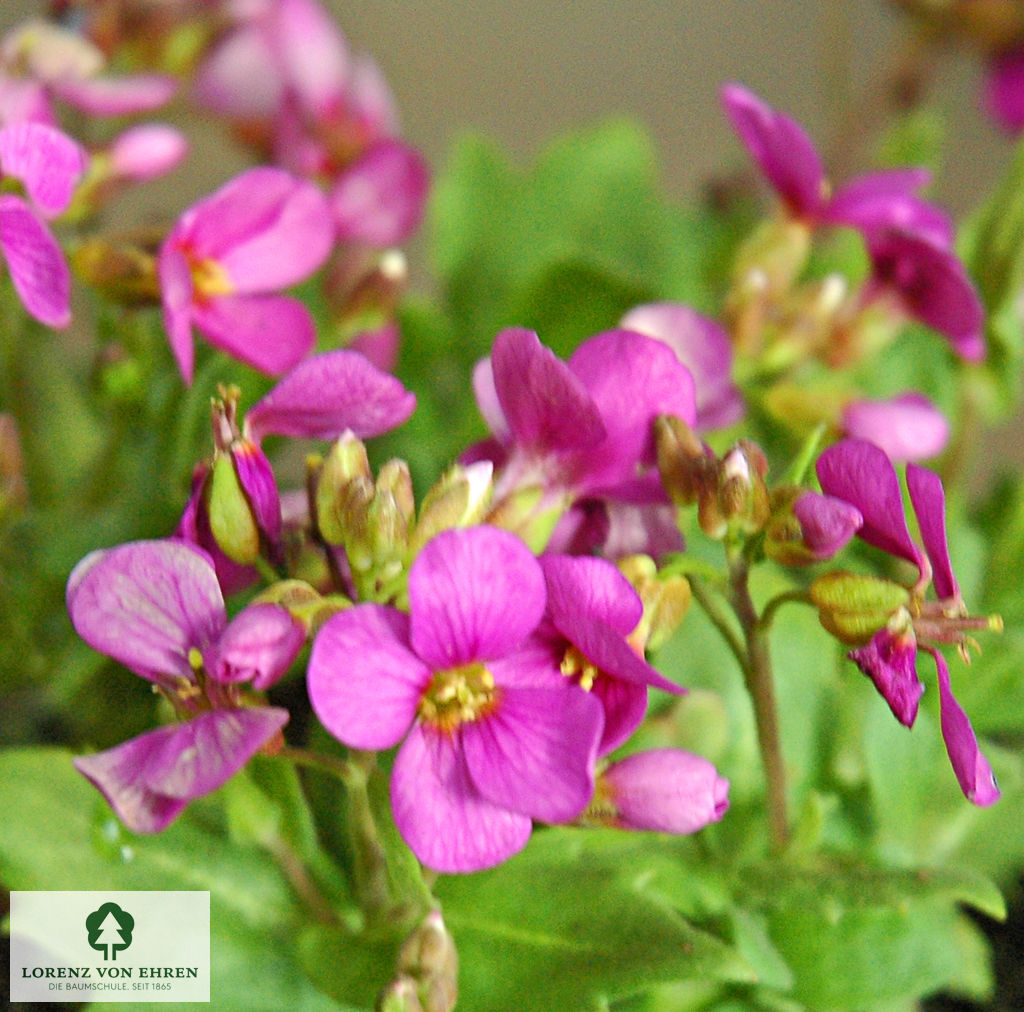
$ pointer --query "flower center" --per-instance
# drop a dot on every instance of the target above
(575, 665)
(209, 279)
(458, 696)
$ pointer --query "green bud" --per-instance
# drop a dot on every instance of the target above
(854, 607)
(303, 602)
(400, 996)
(394, 477)
(428, 956)
(685, 467)
(529, 513)
(666, 601)
(232, 523)
(459, 499)
(386, 528)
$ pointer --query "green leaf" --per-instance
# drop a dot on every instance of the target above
(572, 922)
(65, 838)
(856, 935)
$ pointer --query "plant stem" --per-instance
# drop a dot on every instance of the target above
(760, 684)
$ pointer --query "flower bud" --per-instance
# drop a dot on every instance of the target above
(806, 527)
(531, 514)
(400, 996)
(346, 461)
(666, 790)
(686, 466)
(428, 957)
(459, 499)
(666, 600)
(121, 267)
(738, 499)
(854, 607)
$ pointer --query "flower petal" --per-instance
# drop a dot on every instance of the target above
(535, 752)
(827, 523)
(258, 646)
(272, 333)
(972, 769)
(546, 408)
(149, 779)
(475, 593)
(632, 379)
(1004, 90)
(861, 474)
(379, 199)
(146, 604)
(703, 346)
(445, 821)
(176, 295)
(890, 660)
(117, 96)
(38, 269)
(48, 162)
(781, 148)
(929, 502)
(326, 394)
(907, 427)
(363, 680)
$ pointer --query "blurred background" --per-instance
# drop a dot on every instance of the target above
(522, 73)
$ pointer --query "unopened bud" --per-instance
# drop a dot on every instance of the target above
(121, 267)
(666, 600)
(667, 790)
(531, 514)
(739, 499)
(401, 995)
(345, 462)
(232, 522)
(303, 603)
(459, 499)
(428, 957)
(684, 463)
(394, 477)
(806, 527)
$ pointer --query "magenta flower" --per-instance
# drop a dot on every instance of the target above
(703, 346)
(907, 427)
(1003, 94)
(228, 255)
(861, 474)
(591, 611)
(146, 152)
(665, 790)
(928, 284)
(584, 428)
(285, 69)
(156, 608)
(494, 735)
(40, 63)
(48, 164)
(909, 240)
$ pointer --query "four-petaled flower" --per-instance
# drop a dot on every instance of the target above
(495, 735)
(222, 264)
(861, 474)
(156, 608)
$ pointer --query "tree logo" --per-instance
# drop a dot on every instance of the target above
(110, 929)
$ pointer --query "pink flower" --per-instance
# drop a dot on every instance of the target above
(40, 62)
(494, 735)
(223, 262)
(48, 164)
(286, 70)
(156, 607)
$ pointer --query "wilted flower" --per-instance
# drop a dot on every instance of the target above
(494, 735)
(156, 608)
(228, 255)
(861, 474)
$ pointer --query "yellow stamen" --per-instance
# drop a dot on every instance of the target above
(458, 696)
(210, 279)
(575, 665)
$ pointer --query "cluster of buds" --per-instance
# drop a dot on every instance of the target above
(730, 491)
(375, 521)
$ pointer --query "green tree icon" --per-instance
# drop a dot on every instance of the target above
(110, 929)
